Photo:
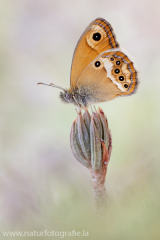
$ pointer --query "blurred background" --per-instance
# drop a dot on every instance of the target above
(42, 186)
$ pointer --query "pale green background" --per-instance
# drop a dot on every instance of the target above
(42, 186)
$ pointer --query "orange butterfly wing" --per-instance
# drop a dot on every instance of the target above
(97, 38)
(109, 75)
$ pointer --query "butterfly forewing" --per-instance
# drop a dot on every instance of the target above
(97, 38)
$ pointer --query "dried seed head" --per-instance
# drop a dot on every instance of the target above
(90, 139)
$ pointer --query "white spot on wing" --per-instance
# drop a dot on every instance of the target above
(109, 67)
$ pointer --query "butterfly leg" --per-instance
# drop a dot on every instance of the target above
(78, 104)
(91, 107)
(78, 110)
(95, 109)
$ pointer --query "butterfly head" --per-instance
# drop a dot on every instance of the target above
(66, 96)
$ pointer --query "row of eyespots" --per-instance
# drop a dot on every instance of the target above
(97, 64)
(128, 65)
(117, 62)
(132, 72)
(121, 78)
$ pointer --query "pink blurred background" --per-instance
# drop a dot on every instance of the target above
(42, 186)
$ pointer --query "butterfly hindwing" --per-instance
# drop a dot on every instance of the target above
(109, 75)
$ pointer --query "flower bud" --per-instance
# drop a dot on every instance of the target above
(90, 140)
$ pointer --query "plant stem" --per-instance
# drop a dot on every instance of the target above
(98, 180)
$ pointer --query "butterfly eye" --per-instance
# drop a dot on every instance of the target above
(97, 63)
(112, 59)
(116, 70)
(118, 62)
(96, 36)
(126, 85)
(121, 78)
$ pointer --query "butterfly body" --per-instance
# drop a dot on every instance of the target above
(76, 96)
(100, 70)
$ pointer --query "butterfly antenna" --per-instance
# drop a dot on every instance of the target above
(52, 85)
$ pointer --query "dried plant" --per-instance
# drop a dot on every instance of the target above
(91, 144)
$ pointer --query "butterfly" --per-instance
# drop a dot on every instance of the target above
(100, 70)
